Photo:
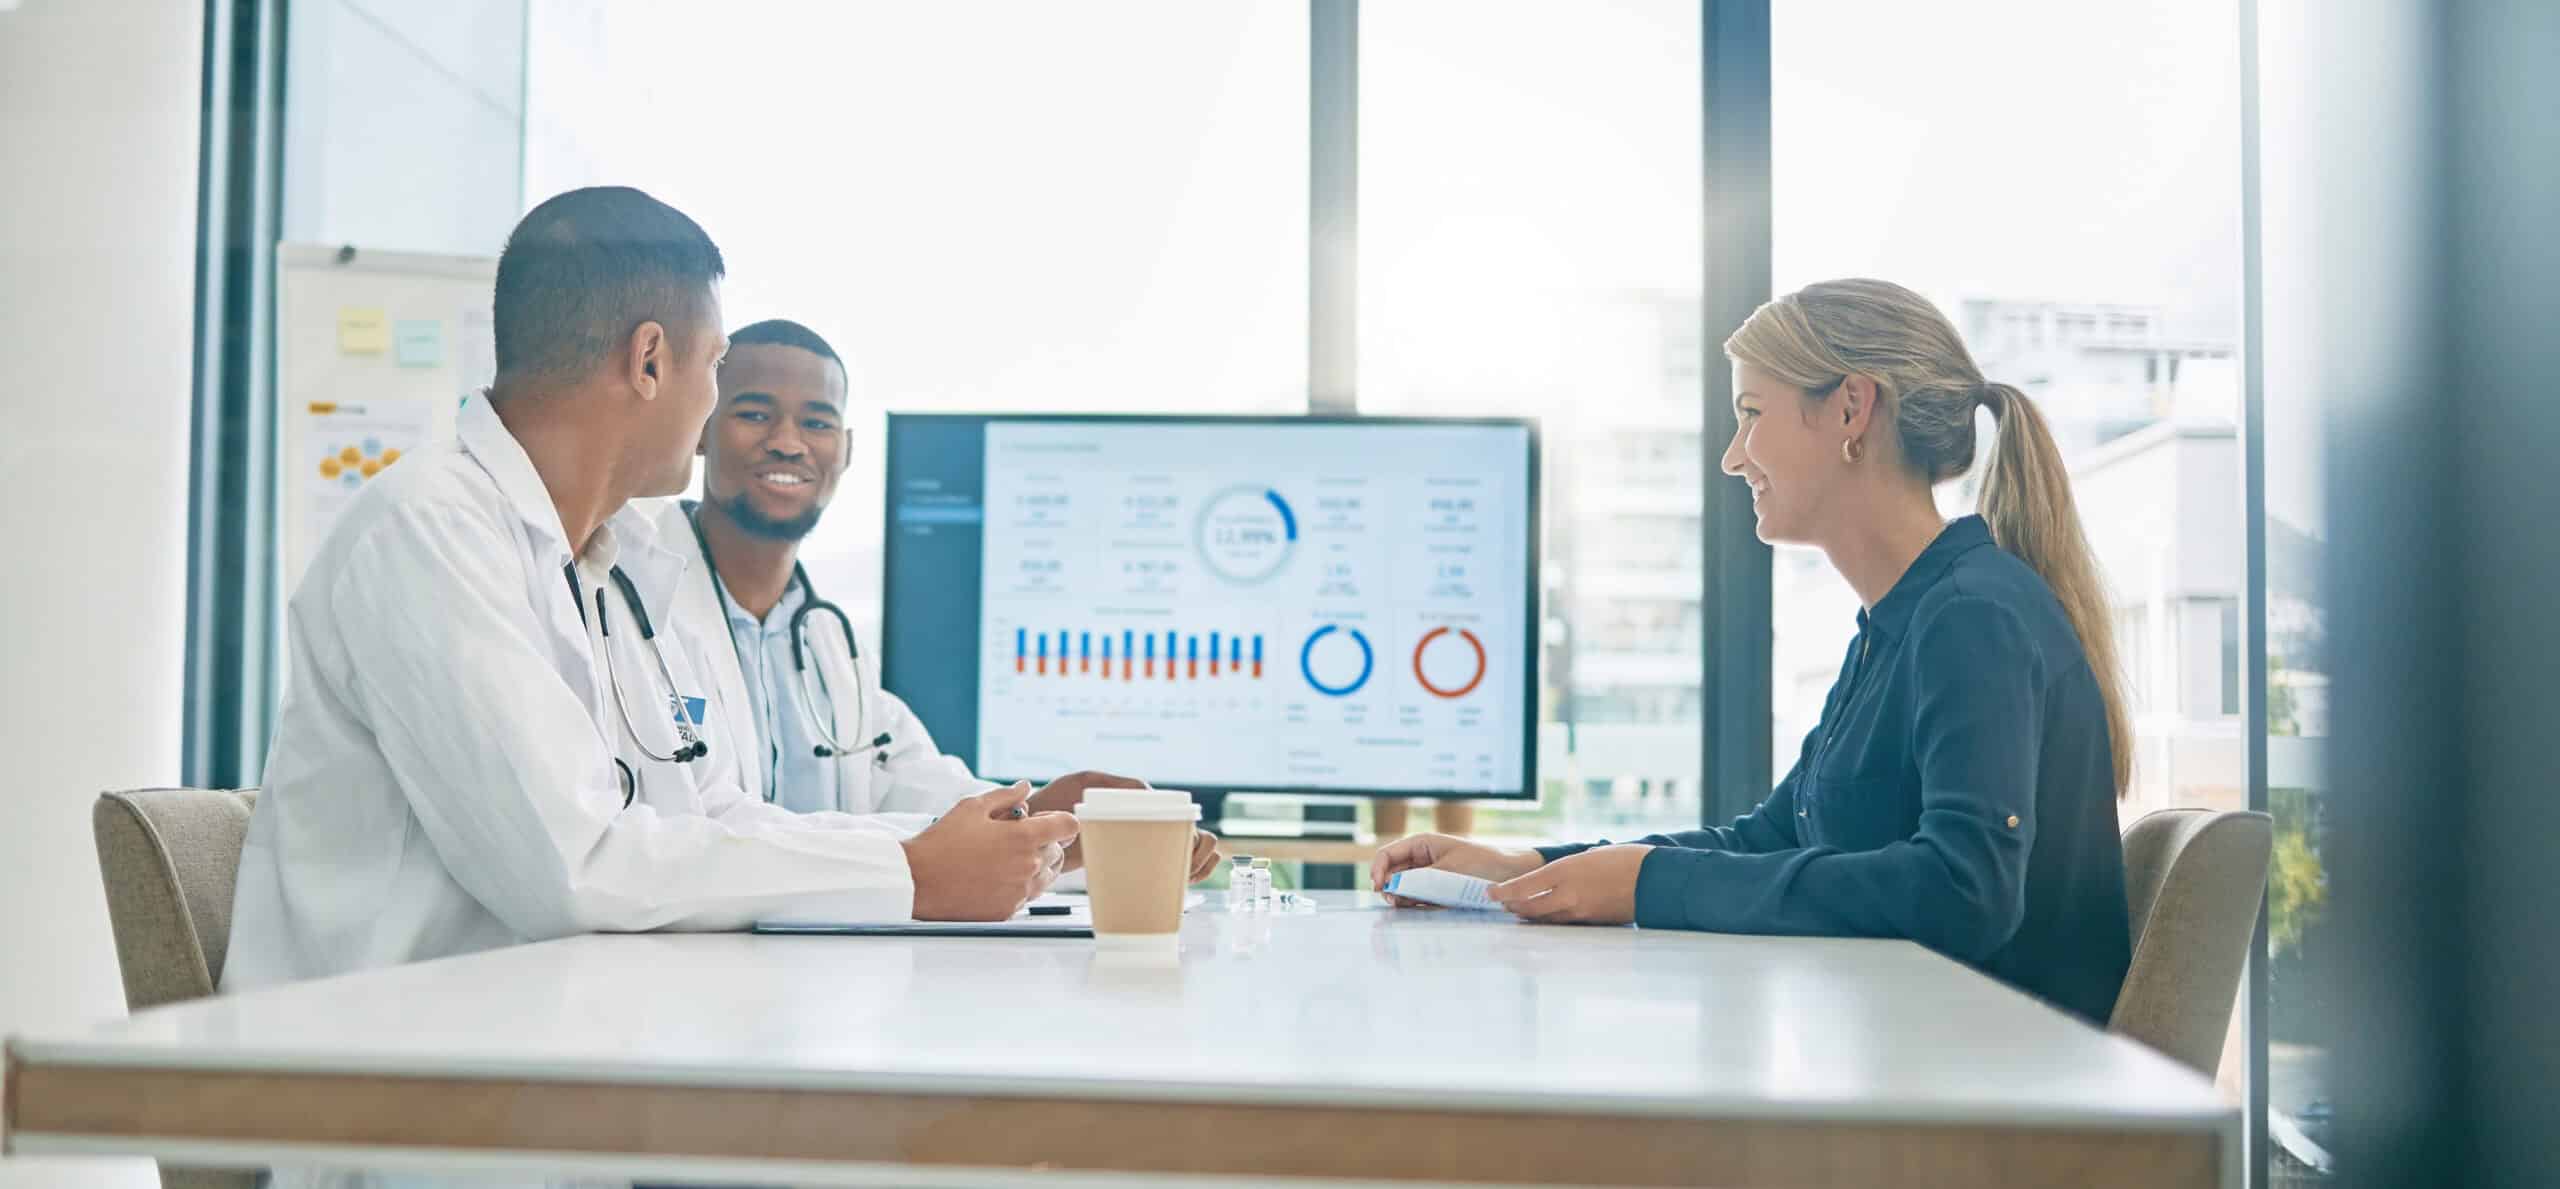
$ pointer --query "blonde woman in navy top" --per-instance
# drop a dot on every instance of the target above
(1960, 789)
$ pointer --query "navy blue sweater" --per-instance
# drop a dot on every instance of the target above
(1959, 791)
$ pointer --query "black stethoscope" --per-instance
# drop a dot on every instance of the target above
(813, 685)
(690, 745)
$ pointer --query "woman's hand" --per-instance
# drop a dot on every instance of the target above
(1448, 854)
(1596, 887)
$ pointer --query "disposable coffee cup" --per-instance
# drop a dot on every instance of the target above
(1137, 853)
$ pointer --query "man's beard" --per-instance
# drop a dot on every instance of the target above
(742, 512)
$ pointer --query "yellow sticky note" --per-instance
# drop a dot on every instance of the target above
(363, 331)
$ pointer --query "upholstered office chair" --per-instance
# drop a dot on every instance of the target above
(169, 858)
(2194, 878)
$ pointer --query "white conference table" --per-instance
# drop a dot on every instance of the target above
(1356, 1042)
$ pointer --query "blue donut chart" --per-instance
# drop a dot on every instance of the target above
(1368, 661)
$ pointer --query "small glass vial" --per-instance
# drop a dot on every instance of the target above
(1240, 883)
(1262, 885)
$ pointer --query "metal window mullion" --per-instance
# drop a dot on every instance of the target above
(231, 607)
(1735, 688)
(2253, 482)
(262, 598)
(1333, 206)
(202, 710)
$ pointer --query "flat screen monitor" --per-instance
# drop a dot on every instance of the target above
(1336, 605)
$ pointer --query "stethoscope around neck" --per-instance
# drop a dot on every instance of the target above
(813, 685)
(690, 745)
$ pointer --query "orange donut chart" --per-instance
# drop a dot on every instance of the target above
(1472, 682)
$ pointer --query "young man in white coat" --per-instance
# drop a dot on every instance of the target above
(788, 669)
(483, 741)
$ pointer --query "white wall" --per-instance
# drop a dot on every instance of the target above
(98, 125)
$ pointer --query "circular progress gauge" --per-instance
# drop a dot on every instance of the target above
(1456, 691)
(1245, 534)
(1307, 656)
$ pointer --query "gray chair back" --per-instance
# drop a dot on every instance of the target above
(2194, 878)
(169, 859)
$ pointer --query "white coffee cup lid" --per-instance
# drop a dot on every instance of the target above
(1137, 805)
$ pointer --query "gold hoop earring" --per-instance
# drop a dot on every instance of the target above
(1849, 451)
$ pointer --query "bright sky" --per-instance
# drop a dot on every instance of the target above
(1021, 203)
(2013, 148)
(1024, 204)
(986, 204)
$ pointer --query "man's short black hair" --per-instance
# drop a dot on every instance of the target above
(783, 332)
(585, 267)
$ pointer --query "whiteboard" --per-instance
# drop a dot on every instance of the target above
(374, 353)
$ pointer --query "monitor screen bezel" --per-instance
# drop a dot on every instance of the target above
(1531, 594)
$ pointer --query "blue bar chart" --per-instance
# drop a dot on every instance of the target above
(1128, 655)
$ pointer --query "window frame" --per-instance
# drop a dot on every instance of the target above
(234, 609)
(234, 606)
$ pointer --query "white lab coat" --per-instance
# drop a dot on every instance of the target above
(907, 784)
(442, 780)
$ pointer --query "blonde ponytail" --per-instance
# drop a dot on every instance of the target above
(1815, 337)
(2026, 499)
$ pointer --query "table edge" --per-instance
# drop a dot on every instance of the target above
(22, 1054)
(278, 1115)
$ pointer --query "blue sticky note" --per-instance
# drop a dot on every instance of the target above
(420, 343)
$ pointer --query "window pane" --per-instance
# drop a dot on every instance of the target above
(1530, 214)
(403, 124)
(993, 206)
(2063, 180)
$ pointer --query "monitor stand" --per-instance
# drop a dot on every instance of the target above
(1394, 815)
(1317, 818)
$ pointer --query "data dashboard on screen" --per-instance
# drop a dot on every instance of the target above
(1299, 604)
